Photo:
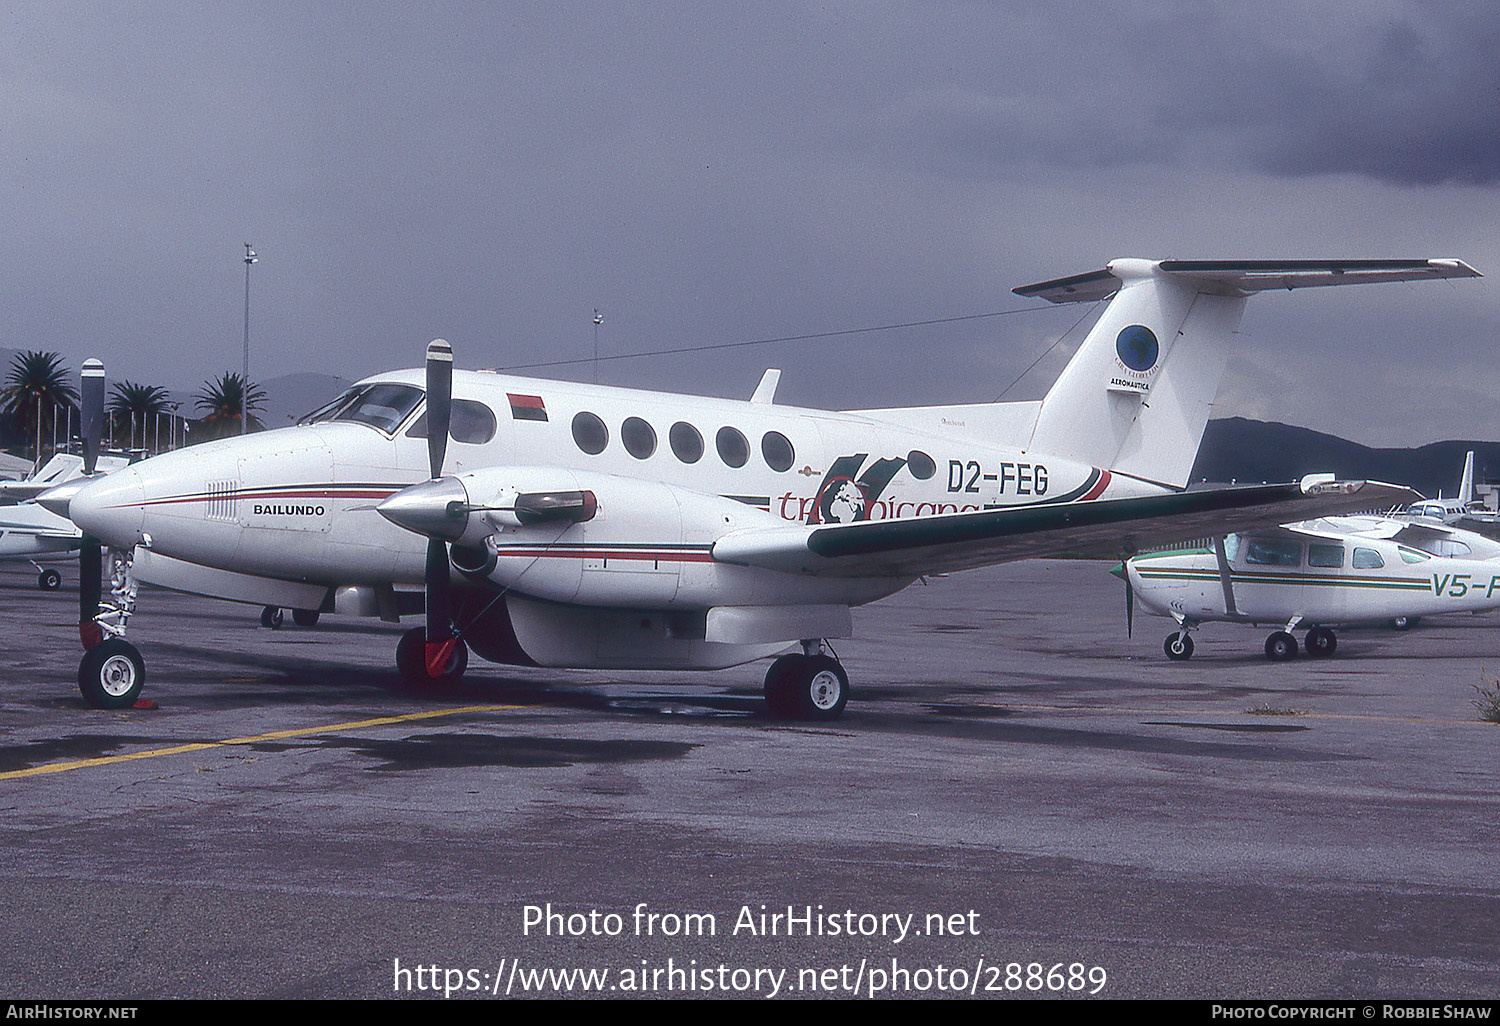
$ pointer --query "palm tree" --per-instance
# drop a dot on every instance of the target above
(37, 386)
(225, 400)
(137, 403)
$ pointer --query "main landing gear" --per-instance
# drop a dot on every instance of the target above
(48, 579)
(274, 616)
(443, 663)
(810, 686)
(1281, 646)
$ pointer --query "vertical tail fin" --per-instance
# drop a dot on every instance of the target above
(1137, 395)
(1466, 486)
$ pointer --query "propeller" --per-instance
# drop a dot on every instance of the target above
(1122, 571)
(90, 550)
(440, 639)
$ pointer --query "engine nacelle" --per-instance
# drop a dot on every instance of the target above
(602, 540)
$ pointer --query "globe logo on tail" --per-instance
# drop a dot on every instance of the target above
(1137, 348)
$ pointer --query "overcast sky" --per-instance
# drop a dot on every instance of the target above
(706, 173)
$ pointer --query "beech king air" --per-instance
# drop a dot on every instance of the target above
(570, 525)
(1318, 575)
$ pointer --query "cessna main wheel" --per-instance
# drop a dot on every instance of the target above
(1320, 641)
(272, 617)
(49, 580)
(802, 687)
(1281, 646)
(111, 675)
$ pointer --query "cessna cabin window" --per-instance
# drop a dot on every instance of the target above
(639, 437)
(733, 449)
(590, 433)
(1329, 555)
(1412, 555)
(687, 443)
(382, 406)
(468, 421)
(1366, 559)
(1273, 552)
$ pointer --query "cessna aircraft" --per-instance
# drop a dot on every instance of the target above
(1317, 574)
(576, 525)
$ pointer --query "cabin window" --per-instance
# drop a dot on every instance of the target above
(1331, 556)
(1367, 559)
(590, 433)
(469, 422)
(1273, 552)
(1231, 547)
(920, 464)
(686, 442)
(639, 437)
(778, 451)
(1411, 555)
(733, 449)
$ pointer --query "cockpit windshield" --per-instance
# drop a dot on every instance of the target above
(381, 405)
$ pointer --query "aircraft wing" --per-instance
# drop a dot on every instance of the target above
(1105, 529)
(1238, 277)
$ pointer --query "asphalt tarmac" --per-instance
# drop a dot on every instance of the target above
(1019, 802)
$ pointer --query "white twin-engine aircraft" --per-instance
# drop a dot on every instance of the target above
(1319, 574)
(574, 525)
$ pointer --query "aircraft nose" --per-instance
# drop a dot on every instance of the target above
(111, 508)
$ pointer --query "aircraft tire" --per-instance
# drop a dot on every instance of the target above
(781, 686)
(305, 617)
(1280, 647)
(272, 617)
(49, 580)
(1320, 642)
(111, 675)
(1404, 623)
(411, 659)
(1178, 646)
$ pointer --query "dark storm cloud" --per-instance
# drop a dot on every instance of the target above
(708, 173)
(1400, 92)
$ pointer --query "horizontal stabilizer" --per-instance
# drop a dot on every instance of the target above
(1239, 277)
(1109, 528)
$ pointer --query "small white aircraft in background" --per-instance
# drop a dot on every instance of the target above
(1319, 574)
(575, 525)
(1447, 511)
(32, 533)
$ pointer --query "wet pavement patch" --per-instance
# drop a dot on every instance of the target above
(454, 751)
(69, 748)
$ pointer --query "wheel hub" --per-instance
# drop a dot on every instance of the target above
(117, 675)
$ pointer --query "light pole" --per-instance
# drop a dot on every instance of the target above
(245, 384)
(598, 320)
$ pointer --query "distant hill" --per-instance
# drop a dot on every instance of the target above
(1236, 449)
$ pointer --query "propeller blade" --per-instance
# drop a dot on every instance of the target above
(90, 551)
(91, 412)
(1129, 608)
(440, 640)
(439, 402)
(439, 624)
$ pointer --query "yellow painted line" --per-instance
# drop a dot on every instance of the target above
(203, 746)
